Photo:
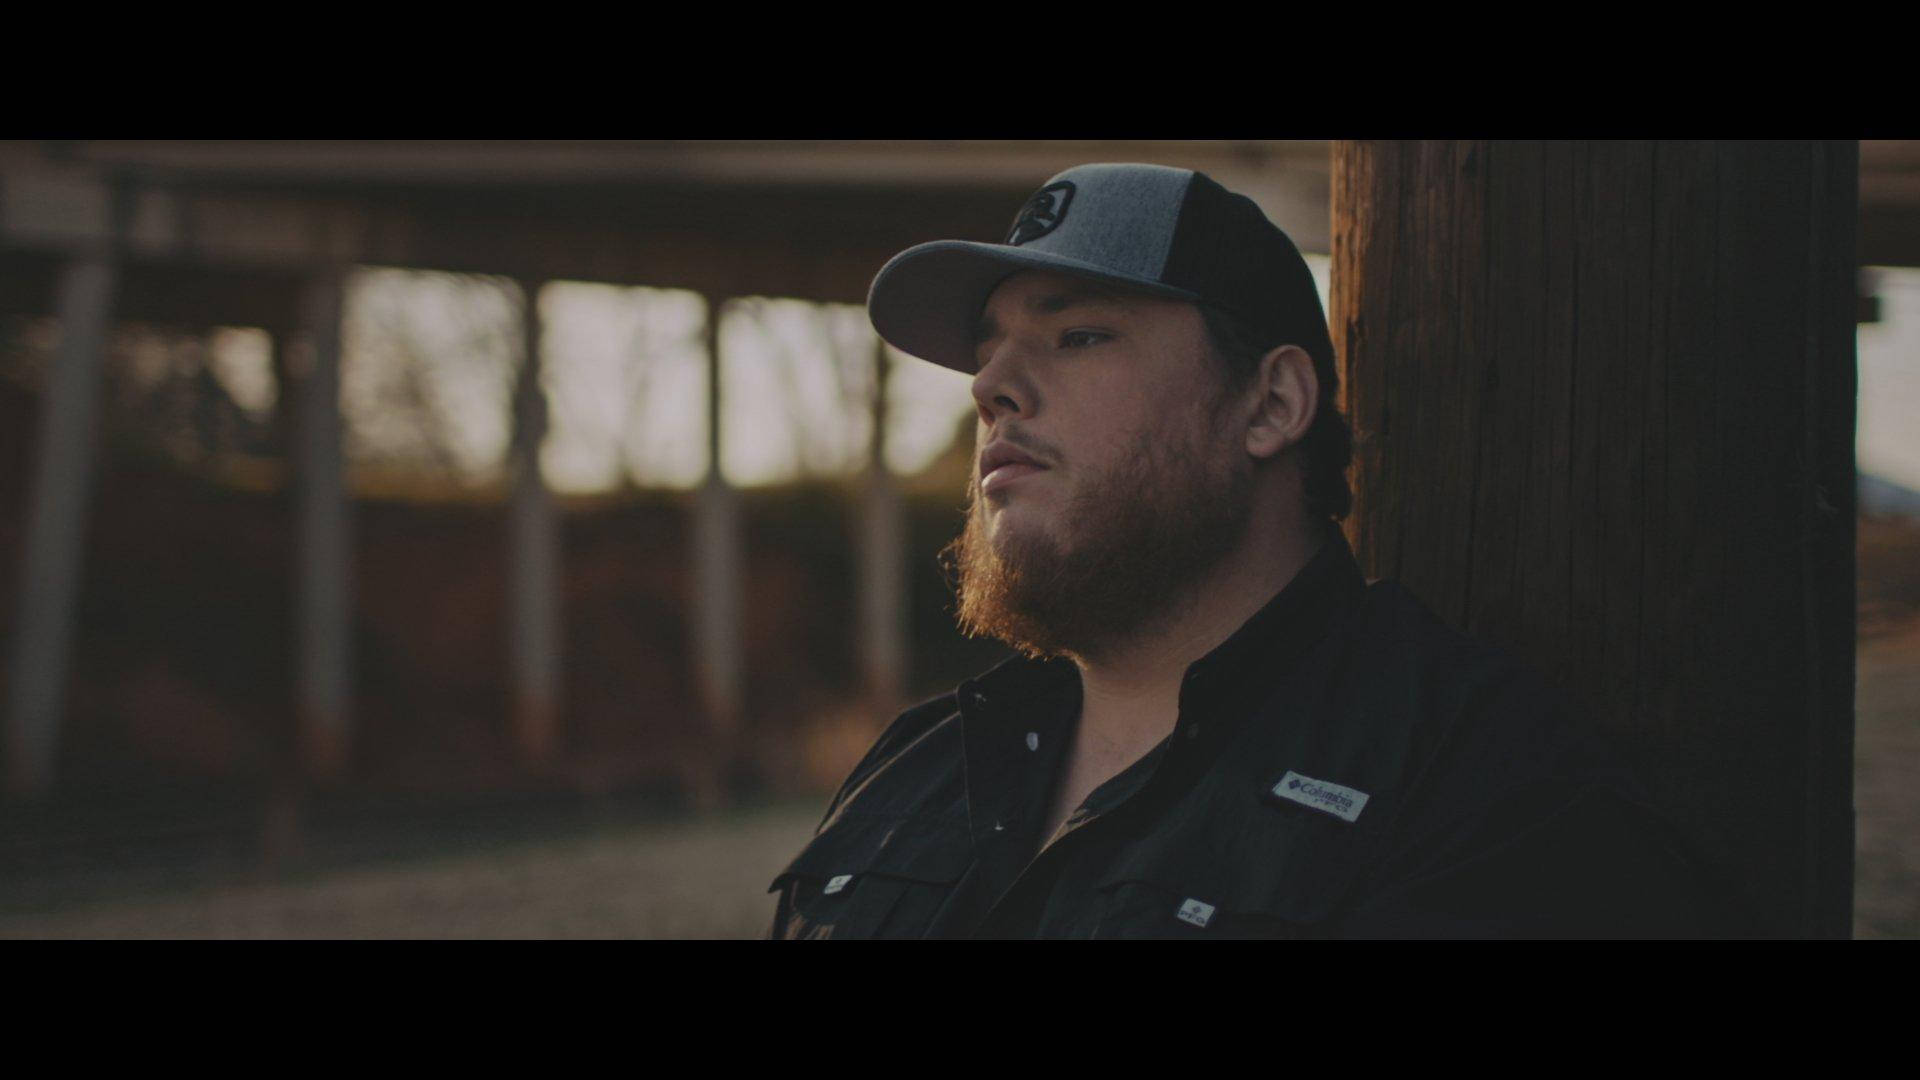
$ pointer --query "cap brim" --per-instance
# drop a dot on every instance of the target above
(926, 299)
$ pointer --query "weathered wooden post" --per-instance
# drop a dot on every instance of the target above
(1603, 399)
(884, 625)
(39, 657)
(324, 552)
(718, 558)
(533, 557)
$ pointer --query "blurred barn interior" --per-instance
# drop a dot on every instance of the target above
(381, 490)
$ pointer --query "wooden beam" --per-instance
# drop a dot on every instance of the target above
(533, 555)
(718, 558)
(324, 572)
(50, 571)
(884, 625)
(1603, 403)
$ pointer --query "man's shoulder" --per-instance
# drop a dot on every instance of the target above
(1400, 655)
(1401, 628)
(1504, 788)
(922, 740)
(1394, 703)
(1446, 721)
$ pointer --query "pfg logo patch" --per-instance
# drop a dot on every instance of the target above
(1042, 214)
(1195, 912)
(1342, 802)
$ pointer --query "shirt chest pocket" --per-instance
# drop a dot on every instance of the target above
(1288, 878)
(872, 877)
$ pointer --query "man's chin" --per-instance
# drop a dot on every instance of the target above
(1013, 533)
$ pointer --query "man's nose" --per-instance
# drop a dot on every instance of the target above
(1000, 387)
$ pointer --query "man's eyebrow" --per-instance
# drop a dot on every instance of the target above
(1053, 303)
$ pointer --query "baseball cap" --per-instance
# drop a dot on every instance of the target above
(1169, 232)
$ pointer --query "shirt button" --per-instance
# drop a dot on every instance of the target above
(979, 699)
(1033, 740)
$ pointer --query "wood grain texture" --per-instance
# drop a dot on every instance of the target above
(1603, 403)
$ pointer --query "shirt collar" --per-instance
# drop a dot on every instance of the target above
(1297, 617)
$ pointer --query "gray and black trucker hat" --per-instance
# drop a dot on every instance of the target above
(1171, 232)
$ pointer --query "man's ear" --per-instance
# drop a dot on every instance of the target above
(1289, 400)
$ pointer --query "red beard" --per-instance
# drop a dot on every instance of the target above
(1139, 537)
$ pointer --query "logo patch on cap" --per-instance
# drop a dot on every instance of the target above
(1043, 213)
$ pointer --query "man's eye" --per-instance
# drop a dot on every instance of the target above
(1080, 339)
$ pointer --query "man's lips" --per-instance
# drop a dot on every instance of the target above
(1007, 474)
(1002, 463)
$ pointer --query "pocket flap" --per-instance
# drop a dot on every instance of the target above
(1295, 867)
(930, 849)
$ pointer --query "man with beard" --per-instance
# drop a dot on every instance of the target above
(1214, 726)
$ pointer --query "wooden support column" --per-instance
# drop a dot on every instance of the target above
(884, 623)
(1603, 398)
(324, 552)
(533, 553)
(282, 424)
(39, 656)
(718, 568)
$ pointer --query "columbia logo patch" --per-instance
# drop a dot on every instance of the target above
(1339, 800)
(1195, 912)
(835, 884)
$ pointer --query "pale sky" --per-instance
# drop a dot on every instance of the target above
(1887, 442)
(428, 361)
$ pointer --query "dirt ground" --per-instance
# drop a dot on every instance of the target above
(705, 877)
(1886, 748)
(1886, 786)
(696, 879)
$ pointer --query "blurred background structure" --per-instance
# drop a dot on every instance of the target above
(409, 499)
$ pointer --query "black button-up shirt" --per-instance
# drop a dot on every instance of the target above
(1343, 765)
